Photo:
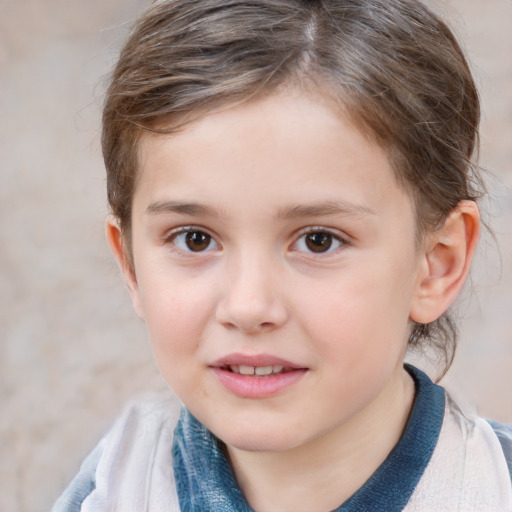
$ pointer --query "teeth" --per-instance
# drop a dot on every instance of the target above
(247, 370)
(256, 370)
(263, 370)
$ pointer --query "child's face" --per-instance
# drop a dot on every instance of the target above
(274, 234)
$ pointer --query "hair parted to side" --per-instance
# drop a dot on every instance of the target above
(392, 65)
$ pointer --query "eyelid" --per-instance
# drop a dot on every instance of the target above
(322, 229)
(172, 234)
(336, 234)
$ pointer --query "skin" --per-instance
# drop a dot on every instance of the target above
(256, 179)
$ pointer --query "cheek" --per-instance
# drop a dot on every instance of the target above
(176, 312)
(363, 317)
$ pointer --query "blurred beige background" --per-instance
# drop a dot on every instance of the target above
(71, 350)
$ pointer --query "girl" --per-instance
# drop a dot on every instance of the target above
(294, 205)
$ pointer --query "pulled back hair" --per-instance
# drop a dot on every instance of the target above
(392, 65)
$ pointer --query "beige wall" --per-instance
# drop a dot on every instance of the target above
(71, 351)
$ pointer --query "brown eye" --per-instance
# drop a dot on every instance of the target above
(193, 240)
(197, 241)
(319, 242)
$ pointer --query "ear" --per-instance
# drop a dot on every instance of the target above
(117, 245)
(446, 262)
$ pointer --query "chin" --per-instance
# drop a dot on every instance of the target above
(258, 439)
(254, 429)
(261, 444)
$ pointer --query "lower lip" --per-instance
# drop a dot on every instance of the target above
(250, 386)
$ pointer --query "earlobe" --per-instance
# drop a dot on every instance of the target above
(446, 263)
(117, 245)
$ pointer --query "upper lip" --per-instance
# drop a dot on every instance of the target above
(254, 360)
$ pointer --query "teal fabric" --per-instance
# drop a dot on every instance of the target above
(204, 479)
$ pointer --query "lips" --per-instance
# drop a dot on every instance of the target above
(257, 376)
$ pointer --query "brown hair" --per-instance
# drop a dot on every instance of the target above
(393, 65)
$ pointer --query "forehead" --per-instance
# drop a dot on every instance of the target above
(289, 147)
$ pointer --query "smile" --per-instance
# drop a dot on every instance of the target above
(260, 376)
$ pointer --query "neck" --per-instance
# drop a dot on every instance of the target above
(325, 472)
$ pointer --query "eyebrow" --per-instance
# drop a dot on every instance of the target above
(333, 207)
(193, 209)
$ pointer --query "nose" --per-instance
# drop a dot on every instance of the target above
(253, 299)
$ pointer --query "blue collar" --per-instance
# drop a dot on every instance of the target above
(205, 481)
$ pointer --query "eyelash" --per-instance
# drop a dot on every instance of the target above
(186, 231)
(334, 238)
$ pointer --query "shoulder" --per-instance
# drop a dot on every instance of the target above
(468, 468)
(486, 436)
(82, 485)
(135, 450)
(487, 448)
(504, 434)
(498, 435)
